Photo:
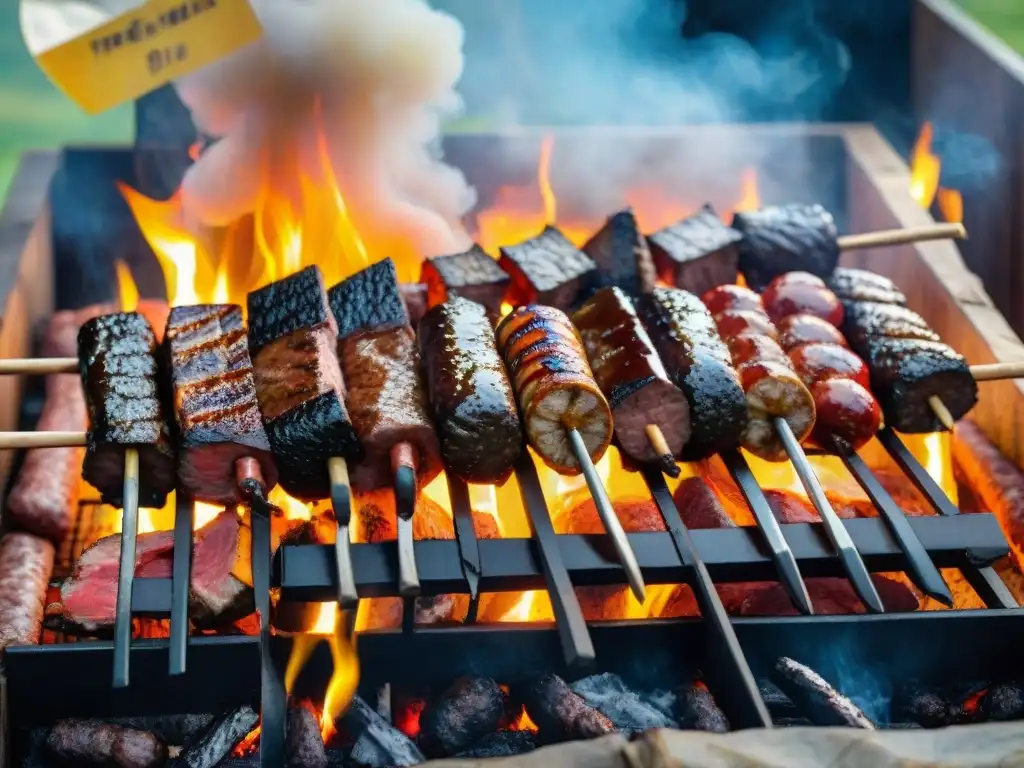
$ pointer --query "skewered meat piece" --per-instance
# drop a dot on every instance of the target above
(747, 347)
(774, 390)
(472, 275)
(868, 319)
(471, 397)
(725, 298)
(818, 362)
(801, 293)
(696, 253)
(861, 285)
(622, 256)
(215, 403)
(739, 322)
(698, 362)
(387, 395)
(298, 381)
(120, 373)
(546, 269)
(846, 410)
(787, 238)
(797, 330)
(554, 385)
(631, 375)
(26, 564)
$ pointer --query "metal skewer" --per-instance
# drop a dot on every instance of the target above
(465, 535)
(854, 566)
(126, 568)
(181, 569)
(341, 502)
(612, 525)
(403, 465)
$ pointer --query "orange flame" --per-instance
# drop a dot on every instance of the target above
(925, 172)
(127, 291)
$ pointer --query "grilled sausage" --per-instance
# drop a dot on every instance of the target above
(797, 330)
(736, 322)
(778, 239)
(801, 293)
(774, 390)
(554, 385)
(120, 374)
(471, 397)
(728, 297)
(748, 346)
(846, 410)
(215, 404)
(818, 362)
(631, 375)
(26, 564)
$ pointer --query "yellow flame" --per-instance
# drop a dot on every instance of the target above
(925, 172)
(127, 291)
(547, 194)
(750, 196)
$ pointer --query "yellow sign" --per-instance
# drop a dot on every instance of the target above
(101, 53)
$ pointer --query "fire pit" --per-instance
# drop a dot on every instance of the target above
(525, 632)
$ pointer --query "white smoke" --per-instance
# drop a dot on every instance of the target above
(384, 75)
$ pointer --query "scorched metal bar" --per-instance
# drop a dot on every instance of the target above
(181, 570)
(126, 569)
(272, 693)
(465, 534)
(782, 554)
(735, 680)
(983, 579)
(922, 570)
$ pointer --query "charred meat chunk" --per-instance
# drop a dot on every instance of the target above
(559, 713)
(631, 375)
(369, 300)
(471, 274)
(622, 255)
(471, 396)
(546, 269)
(697, 253)
(298, 381)
(469, 709)
(120, 373)
(215, 405)
(698, 362)
(866, 319)
(861, 285)
(787, 238)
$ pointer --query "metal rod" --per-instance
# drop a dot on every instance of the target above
(922, 570)
(341, 502)
(782, 554)
(272, 693)
(854, 566)
(465, 534)
(181, 572)
(736, 678)
(577, 647)
(605, 510)
(982, 578)
(126, 568)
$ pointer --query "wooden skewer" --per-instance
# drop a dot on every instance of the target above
(666, 460)
(341, 501)
(954, 231)
(39, 365)
(12, 440)
(941, 412)
(998, 371)
(126, 568)
(403, 465)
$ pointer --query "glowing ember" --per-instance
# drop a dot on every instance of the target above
(523, 723)
(925, 172)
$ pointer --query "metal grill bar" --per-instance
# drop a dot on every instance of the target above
(465, 534)
(273, 711)
(181, 576)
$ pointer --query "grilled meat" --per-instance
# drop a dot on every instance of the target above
(96, 743)
(797, 330)
(554, 385)
(696, 253)
(26, 564)
(622, 256)
(818, 362)
(472, 275)
(774, 390)
(120, 374)
(846, 410)
(627, 368)
(729, 297)
(698, 362)
(747, 347)
(215, 404)
(387, 395)
(546, 269)
(298, 381)
(744, 322)
(796, 293)
(869, 319)
(861, 285)
(789, 238)
(467, 710)
(822, 703)
(471, 397)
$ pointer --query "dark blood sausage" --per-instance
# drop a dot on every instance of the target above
(789, 238)
(818, 362)
(120, 373)
(105, 745)
(795, 293)
(215, 404)
(696, 253)
(471, 397)
(868, 320)
(298, 381)
(797, 330)
(622, 256)
(627, 368)
(546, 269)
(472, 275)
(845, 409)
(728, 297)
(698, 362)
(26, 564)
(860, 285)
(554, 385)
(559, 713)
(387, 394)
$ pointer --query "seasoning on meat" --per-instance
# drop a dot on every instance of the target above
(861, 285)
(120, 373)
(471, 397)
(546, 269)
(26, 564)
(471, 274)
(789, 238)
(697, 253)
(215, 405)
(622, 255)
(627, 368)
(698, 362)
(554, 385)
(298, 381)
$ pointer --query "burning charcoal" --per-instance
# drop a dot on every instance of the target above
(305, 745)
(546, 269)
(787, 238)
(472, 275)
(378, 743)
(779, 704)
(698, 253)
(560, 714)
(501, 744)
(464, 713)
(1003, 701)
(219, 739)
(627, 710)
(170, 729)
(622, 256)
(822, 703)
(93, 742)
(924, 706)
(696, 710)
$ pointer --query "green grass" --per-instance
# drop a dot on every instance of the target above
(1003, 17)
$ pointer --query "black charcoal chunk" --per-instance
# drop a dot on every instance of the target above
(697, 710)
(304, 746)
(464, 713)
(501, 744)
(218, 740)
(1002, 702)
(378, 743)
(558, 712)
(927, 707)
(171, 729)
(104, 745)
(818, 700)
(778, 703)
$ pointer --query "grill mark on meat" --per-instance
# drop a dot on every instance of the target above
(297, 368)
